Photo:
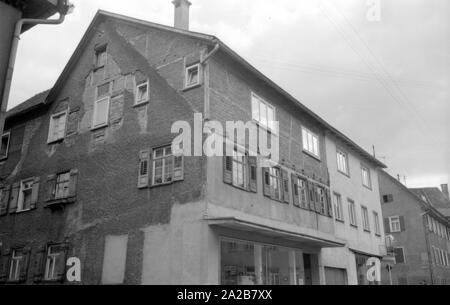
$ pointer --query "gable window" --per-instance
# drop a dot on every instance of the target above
(192, 77)
(365, 218)
(25, 195)
(310, 142)
(55, 262)
(352, 213)
(394, 224)
(388, 198)
(263, 113)
(301, 192)
(365, 172)
(338, 210)
(142, 93)
(376, 220)
(342, 162)
(101, 113)
(57, 129)
(399, 255)
(4, 145)
(167, 168)
(100, 57)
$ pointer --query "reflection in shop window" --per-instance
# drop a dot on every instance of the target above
(247, 263)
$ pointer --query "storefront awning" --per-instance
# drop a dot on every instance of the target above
(245, 226)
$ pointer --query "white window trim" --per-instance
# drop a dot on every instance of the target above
(318, 143)
(52, 126)
(7, 146)
(18, 258)
(53, 257)
(391, 227)
(365, 218)
(136, 102)
(353, 220)
(20, 208)
(342, 152)
(369, 176)
(376, 220)
(268, 105)
(339, 209)
(94, 127)
(186, 76)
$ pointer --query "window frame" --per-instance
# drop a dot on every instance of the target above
(237, 153)
(259, 121)
(364, 167)
(69, 181)
(303, 192)
(103, 49)
(338, 207)
(20, 198)
(147, 98)
(8, 134)
(346, 158)
(50, 138)
(376, 220)
(365, 218)
(314, 136)
(403, 255)
(18, 266)
(173, 158)
(272, 172)
(94, 113)
(186, 76)
(54, 257)
(391, 218)
(353, 218)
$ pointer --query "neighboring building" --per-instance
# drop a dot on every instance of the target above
(357, 211)
(89, 172)
(421, 236)
(439, 199)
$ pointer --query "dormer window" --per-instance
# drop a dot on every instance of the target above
(192, 77)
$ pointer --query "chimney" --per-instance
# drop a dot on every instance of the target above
(444, 188)
(181, 14)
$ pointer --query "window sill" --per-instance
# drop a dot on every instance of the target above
(354, 226)
(55, 203)
(164, 184)
(312, 155)
(187, 88)
(344, 173)
(4, 158)
(23, 211)
(368, 187)
(99, 127)
(378, 235)
(367, 231)
(137, 105)
(55, 141)
(340, 221)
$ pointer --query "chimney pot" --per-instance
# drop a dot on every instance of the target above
(181, 14)
(444, 188)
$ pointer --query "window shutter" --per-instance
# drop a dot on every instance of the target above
(266, 182)
(143, 175)
(35, 193)
(285, 178)
(14, 196)
(51, 187)
(4, 200)
(73, 183)
(295, 194)
(252, 168)
(402, 224)
(387, 227)
(5, 260)
(38, 266)
(61, 263)
(227, 169)
(311, 196)
(178, 168)
(24, 265)
(329, 203)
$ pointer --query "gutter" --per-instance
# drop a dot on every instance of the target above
(63, 8)
(205, 69)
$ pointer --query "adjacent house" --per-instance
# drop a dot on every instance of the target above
(420, 236)
(88, 171)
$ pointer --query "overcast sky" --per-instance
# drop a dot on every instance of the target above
(384, 83)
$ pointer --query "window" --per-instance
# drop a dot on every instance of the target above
(342, 162)
(376, 220)
(365, 218)
(25, 195)
(17, 261)
(192, 76)
(100, 57)
(322, 197)
(101, 113)
(239, 169)
(302, 192)
(338, 210)
(310, 142)
(273, 178)
(394, 224)
(399, 255)
(352, 213)
(388, 198)
(4, 145)
(142, 93)
(366, 177)
(55, 261)
(62, 185)
(57, 129)
(263, 113)
(167, 168)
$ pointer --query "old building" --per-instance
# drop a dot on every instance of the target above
(357, 211)
(420, 236)
(90, 173)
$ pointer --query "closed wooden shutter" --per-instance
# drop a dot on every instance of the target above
(402, 224)
(285, 179)
(143, 175)
(73, 183)
(295, 194)
(311, 196)
(5, 260)
(4, 200)
(329, 203)
(23, 276)
(51, 187)
(35, 193)
(14, 197)
(266, 182)
(38, 264)
(252, 170)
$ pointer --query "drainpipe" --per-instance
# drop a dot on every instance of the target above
(205, 69)
(64, 7)
(427, 242)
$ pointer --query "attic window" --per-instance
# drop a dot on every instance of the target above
(100, 56)
(4, 145)
(192, 76)
(142, 93)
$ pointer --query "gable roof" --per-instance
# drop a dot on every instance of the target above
(32, 103)
(435, 197)
(212, 41)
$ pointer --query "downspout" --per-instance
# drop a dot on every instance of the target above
(63, 10)
(205, 68)
(429, 250)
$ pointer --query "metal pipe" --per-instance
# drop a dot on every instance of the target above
(63, 9)
(216, 48)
